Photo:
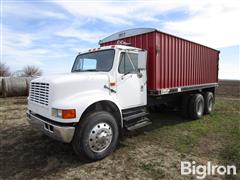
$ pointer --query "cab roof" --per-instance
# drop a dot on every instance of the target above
(123, 47)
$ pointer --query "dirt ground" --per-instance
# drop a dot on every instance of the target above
(228, 88)
(153, 152)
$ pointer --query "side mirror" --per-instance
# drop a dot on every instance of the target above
(139, 74)
(142, 60)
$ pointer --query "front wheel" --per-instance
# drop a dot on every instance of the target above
(96, 136)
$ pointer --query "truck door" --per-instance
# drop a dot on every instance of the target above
(131, 82)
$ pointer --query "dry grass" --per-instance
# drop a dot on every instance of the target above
(153, 152)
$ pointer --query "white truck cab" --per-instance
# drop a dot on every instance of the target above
(105, 92)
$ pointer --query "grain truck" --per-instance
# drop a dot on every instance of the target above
(112, 87)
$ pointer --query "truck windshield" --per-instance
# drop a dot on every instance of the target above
(94, 61)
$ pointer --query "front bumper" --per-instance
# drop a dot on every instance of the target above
(61, 133)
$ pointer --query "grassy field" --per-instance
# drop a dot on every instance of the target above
(154, 152)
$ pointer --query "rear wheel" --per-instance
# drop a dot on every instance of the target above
(208, 101)
(196, 106)
(96, 137)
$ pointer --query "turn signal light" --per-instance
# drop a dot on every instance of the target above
(68, 113)
(64, 113)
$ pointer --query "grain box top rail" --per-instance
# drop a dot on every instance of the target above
(138, 31)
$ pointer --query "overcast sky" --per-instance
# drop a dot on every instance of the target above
(50, 33)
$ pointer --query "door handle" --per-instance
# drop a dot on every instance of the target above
(127, 76)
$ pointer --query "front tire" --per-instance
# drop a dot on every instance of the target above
(96, 136)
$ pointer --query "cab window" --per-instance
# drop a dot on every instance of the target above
(128, 63)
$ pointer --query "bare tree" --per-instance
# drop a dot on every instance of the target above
(4, 70)
(30, 71)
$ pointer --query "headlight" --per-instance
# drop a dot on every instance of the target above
(64, 113)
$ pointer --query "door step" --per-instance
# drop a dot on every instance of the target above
(135, 118)
(139, 124)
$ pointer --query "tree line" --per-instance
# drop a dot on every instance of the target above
(27, 71)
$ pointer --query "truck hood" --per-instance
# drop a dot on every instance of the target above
(69, 77)
(71, 84)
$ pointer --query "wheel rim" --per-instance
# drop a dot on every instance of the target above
(199, 108)
(100, 137)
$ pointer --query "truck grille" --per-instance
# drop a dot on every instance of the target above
(39, 93)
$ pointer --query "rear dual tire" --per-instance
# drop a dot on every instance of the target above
(208, 102)
(194, 106)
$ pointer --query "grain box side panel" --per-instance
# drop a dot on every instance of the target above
(183, 63)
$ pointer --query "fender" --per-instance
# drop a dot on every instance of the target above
(81, 101)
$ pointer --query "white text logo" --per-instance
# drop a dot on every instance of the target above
(201, 171)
